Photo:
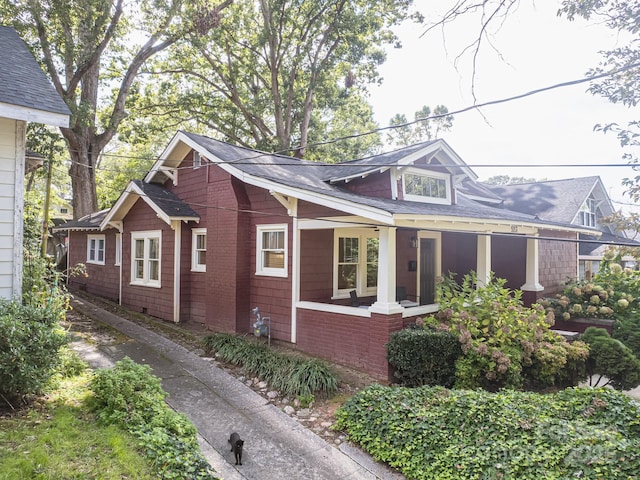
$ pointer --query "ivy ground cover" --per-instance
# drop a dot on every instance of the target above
(436, 433)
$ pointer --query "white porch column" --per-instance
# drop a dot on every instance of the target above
(386, 301)
(532, 276)
(483, 267)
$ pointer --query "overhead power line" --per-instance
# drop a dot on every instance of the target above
(476, 106)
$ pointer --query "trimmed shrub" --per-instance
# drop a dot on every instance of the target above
(423, 357)
(610, 360)
(290, 374)
(30, 338)
(431, 432)
(129, 396)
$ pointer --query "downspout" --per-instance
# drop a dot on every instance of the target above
(120, 227)
(177, 250)
(295, 270)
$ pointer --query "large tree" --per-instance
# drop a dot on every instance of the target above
(623, 86)
(281, 75)
(425, 126)
(93, 51)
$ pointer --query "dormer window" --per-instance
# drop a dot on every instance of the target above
(587, 215)
(431, 187)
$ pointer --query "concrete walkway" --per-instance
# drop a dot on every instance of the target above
(276, 446)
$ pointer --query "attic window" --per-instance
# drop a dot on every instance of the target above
(432, 188)
(197, 160)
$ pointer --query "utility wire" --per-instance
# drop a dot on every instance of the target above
(475, 106)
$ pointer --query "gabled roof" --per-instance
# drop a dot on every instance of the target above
(165, 203)
(25, 92)
(312, 181)
(556, 200)
(88, 222)
(434, 152)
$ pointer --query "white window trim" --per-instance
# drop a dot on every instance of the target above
(118, 254)
(195, 266)
(260, 268)
(362, 234)
(145, 281)
(97, 239)
(431, 174)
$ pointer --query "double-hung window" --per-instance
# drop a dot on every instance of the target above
(355, 262)
(145, 258)
(95, 249)
(199, 250)
(271, 250)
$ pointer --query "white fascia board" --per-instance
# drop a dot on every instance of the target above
(474, 224)
(17, 112)
(123, 199)
(168, 153)
(334, 223)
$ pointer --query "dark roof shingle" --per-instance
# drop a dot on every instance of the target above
(22, 81)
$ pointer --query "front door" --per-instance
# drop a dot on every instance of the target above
(427, 271)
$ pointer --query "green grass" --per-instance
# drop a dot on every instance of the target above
(59, 439)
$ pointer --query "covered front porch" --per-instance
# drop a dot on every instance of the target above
(393, 271)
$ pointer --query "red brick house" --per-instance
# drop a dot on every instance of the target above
(215, 230)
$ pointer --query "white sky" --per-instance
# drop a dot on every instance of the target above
(538, 49)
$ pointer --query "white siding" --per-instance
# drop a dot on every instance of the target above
(11, 206)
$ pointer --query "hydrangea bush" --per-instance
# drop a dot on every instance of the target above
(504, 343)
(613, 292)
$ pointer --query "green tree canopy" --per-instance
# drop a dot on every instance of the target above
(422, 128)
(93, 51)
(280, 75)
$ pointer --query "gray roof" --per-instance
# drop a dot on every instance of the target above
(313, 177)
(596, 246)
(166, 200)
(22, 81)
(88, 222)
(556, 200)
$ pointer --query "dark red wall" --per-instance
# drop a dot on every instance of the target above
(102, 280)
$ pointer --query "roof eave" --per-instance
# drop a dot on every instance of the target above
(18, 112)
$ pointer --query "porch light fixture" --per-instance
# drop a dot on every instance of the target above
(413, 242)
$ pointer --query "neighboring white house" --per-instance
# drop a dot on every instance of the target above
(26, 95)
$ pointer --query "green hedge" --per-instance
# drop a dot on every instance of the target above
(611, 359)
(128, 395)
(291, 375)
(435, 433)
(30, 339)
(423, 357)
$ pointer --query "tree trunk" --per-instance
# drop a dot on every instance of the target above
(83, 180)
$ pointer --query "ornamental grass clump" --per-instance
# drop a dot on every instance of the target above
(504, 344)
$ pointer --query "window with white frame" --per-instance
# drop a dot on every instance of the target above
(118, 249)
(145, 258)
(271, 250)
(95, 249)
(432, 187)
(355, 262)
(587, 215)
(199, 250)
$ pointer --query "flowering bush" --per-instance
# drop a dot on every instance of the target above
(613, 292)
(504, 343)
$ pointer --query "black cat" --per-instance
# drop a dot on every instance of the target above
(236, 447)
